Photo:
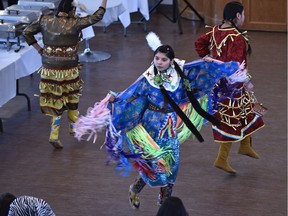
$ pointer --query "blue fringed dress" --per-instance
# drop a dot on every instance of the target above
(149, 138)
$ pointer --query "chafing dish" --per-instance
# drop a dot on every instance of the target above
(12, 24)
(10, 32)
(21, 16)
(38, 10)
(51, 4)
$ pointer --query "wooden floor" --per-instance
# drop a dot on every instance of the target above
(76, 181)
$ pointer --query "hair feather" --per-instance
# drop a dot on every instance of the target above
(153, 40)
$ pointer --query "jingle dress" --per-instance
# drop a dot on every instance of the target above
(147, 128)
(60, 84)
(230, 102)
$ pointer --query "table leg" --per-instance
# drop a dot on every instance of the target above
(176, 14)
(22, 94)
(1, 126)
(92, 56)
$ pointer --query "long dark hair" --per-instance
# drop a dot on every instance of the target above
(169, 52)
(65, 6)
(5, 200)
(172, 206)
(229, 15)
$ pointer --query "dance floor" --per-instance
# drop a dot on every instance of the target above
(76, 180)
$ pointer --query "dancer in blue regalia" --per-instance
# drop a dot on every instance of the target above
(146, 123)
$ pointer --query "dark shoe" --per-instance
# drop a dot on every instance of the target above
(133, 198)
(56, 143)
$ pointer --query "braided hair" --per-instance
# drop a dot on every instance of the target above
(229, 15)
(168, 51)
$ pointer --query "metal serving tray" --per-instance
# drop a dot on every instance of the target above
(11, 29)
(10, 32)
(39, 10)
(51, 4)
(21, 16)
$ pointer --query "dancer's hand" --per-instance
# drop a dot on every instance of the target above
(112, 96)
(242, 65)
(208, 59)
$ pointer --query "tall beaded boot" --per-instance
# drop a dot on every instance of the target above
(54, 134)
(165, 192)
(72, 118)
(134, 191)
(221, 161)
(246, 149)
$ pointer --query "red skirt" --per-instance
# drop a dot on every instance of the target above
(237, 117)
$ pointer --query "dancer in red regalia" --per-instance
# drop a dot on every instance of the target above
(232, 98)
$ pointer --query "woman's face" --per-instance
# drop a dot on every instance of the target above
(161, 61)
(240, 19)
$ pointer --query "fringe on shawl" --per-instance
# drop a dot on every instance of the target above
(183, 132)
(96, 120)
(147, 152)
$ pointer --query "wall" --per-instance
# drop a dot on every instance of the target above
(263, 15)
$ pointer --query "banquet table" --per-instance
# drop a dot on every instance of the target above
(118, 9)
(115, 10)
(131, 7)
(13, 66)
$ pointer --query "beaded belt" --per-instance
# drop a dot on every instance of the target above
(60, 51)
(157, 109)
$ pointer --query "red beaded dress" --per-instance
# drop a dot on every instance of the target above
(231, 102)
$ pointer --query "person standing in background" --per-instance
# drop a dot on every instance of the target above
(1, 5)
(60, 84)
(232, 98)
(12, 2)
(9, 3)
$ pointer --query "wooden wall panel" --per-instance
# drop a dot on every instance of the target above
(261, 15)
(266, 15)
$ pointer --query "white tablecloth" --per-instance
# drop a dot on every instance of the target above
(7, 78)
(114, 9)
(13, 66)
(133, 6)
(51, 4)
(141, 5)
(118, 9)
